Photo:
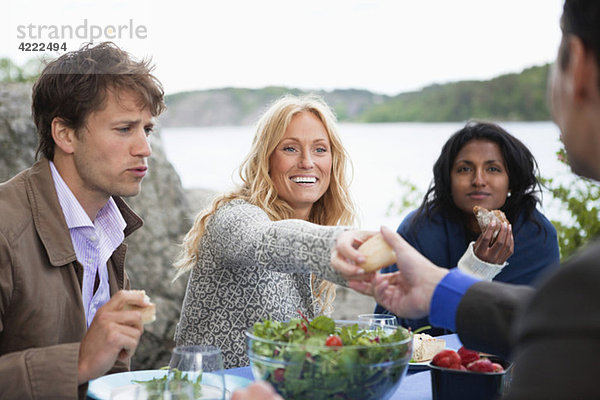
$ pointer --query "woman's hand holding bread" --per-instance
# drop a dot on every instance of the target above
(496, 243)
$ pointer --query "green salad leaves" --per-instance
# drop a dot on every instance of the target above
(173, 379)
(321, 360)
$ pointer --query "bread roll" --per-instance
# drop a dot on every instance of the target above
(377, 252)
(148, 312)
(485, 217)
(426, 346)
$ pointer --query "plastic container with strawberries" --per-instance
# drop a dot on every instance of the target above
(467, 375)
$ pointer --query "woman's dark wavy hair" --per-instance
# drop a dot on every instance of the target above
(521, 167)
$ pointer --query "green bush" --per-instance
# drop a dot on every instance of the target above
(580, 200)
(11, 72)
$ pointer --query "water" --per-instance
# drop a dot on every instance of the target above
(208, 157)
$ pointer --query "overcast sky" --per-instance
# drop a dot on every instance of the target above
(386, 46)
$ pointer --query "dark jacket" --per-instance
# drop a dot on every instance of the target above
(42, 319)
(552, 333)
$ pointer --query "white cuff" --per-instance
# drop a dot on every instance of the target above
(470, 264)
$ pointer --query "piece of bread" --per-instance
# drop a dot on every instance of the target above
(485, 217)
(426, 346)
(377, 252)
(148, 312)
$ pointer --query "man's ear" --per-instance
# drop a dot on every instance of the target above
(64, 136)
(584, 71)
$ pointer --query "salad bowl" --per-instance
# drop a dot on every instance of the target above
(326, 359)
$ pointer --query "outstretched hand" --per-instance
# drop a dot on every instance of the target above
(408, 291)
(345, 256)
(502, 248)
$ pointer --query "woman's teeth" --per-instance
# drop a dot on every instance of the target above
(304, 179)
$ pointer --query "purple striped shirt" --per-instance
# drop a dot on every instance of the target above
(94, 242)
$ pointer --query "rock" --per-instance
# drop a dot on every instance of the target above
(18, 138)
(349, 304)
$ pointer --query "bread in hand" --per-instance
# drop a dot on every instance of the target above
(485, 217)
(377, 252)
(148, 312)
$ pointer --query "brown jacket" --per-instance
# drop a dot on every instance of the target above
(42, 319)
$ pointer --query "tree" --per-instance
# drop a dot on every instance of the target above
(11, 72)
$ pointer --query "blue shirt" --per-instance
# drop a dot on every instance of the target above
(444, 241)
(446, 297)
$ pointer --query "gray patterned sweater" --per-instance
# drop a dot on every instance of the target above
(251, 268)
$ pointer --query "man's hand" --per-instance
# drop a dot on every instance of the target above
(260, 390)
(113, 335)
(345, 257)
(502, 248)
(407, 292)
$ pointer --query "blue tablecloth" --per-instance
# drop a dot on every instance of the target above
(416, 385)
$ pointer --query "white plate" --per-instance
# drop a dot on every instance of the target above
(413, 366)
(102, 387)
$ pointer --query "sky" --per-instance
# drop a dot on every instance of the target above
(385, 46)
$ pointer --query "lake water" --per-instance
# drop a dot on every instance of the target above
(208, 157)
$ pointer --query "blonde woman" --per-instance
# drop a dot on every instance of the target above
(265, 250)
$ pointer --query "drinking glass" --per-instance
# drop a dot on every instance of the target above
(375, 320)
(201, 364)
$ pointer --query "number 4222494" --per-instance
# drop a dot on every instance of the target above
(50, 46)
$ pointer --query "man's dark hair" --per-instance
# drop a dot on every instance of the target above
(582, 19)
(77, 83)
(521, 167)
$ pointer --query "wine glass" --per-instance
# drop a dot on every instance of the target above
(375, 320)
(203, 366)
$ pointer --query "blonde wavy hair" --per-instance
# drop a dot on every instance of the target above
(335, 207)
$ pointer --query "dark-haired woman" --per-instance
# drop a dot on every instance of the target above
(482, 165)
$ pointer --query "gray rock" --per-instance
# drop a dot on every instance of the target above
(18, 138)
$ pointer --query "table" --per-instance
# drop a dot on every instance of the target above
(416, 385)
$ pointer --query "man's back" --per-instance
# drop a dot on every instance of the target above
(558, 334)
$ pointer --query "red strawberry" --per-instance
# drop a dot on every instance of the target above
(481, 365)
(467, 356)
(497, 367)
(279, 374)
(447, 359)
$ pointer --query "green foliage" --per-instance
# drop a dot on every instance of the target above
(516, 97)
(580, 199)
(410, 199)
(11, 72)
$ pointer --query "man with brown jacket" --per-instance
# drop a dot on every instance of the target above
(62, 225)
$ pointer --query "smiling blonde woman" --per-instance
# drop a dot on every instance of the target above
(265, 250)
